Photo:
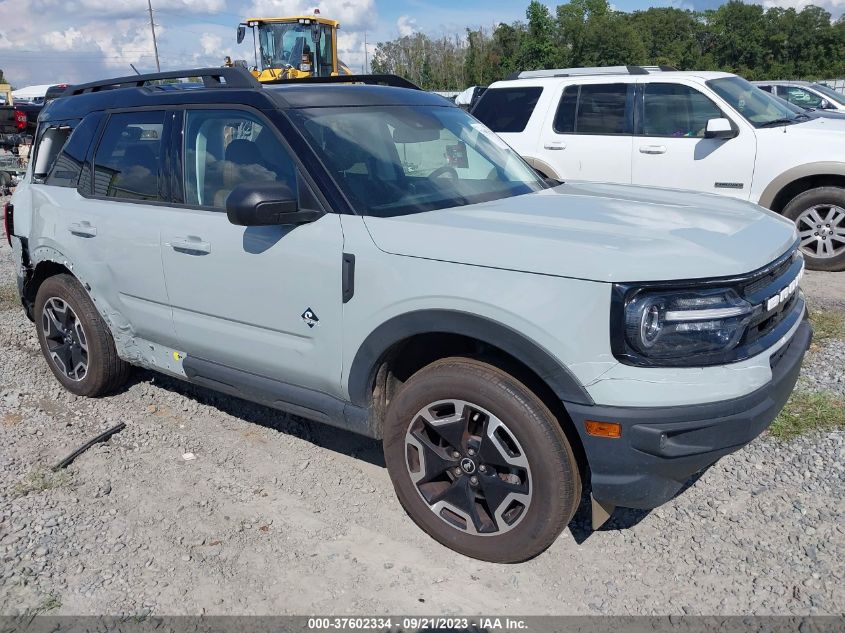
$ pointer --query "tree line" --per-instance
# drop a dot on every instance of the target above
(746, 39)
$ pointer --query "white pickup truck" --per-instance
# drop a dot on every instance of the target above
(705, 131)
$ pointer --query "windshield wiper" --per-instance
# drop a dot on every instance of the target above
(780, 121)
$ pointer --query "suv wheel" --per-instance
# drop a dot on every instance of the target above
(479, 462)
(75, 340)
(820, 216)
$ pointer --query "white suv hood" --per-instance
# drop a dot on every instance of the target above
(599, 232)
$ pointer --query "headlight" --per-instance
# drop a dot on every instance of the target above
(684, 327)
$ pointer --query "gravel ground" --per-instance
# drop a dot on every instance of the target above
(278, 516)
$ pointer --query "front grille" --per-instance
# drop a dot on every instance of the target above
(768, 277)
(768, 283)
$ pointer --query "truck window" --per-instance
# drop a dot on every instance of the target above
(507, 109)
(69, 164)
(50, 143)
(675, 110)
(126, 164)
(226, 148)
(594, 109)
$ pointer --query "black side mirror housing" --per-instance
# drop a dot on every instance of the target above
(266, 204)
(241, 32)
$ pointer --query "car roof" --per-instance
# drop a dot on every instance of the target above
(284, 96)
(703, 75)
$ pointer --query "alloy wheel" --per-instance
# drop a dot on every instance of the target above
(821, 229)
(67, 343)
(468, 467)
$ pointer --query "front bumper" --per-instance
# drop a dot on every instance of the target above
(661, 447)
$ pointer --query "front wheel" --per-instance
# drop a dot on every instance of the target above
(479, 462)
(820, 217)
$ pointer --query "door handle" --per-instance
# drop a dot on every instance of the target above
(652, 149)
(82, 229)
(555, 145)
(191, 244)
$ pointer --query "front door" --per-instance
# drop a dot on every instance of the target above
(261, 299)
(671, 150)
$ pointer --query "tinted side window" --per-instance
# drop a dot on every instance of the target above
(602, 109)
(801, 97)
(765, 89)
(126, 164)
(675, 110)
(565, 115)
(227, 148)
(507, 109)
(68, 166)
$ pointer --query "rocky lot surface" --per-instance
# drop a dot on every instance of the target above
(278, 516)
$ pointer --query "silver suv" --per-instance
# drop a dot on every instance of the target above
(374, 258)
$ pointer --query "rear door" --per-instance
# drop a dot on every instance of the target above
(259, 300)
(108, 225)
(588, 134)
(670, 149)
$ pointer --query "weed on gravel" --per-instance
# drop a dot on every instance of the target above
(39, 481)
(808, 412)
(827, 325)
(9, 297)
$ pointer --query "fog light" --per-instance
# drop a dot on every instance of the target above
(603, 429)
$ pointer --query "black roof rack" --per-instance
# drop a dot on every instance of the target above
(373, 80)
(223, 77)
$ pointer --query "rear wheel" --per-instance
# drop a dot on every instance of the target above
(819, 215)
(75, 340)
(479, 462)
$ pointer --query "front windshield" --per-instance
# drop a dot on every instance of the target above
(397, 160)
(284, 44)
(830, 93)
(757, 106)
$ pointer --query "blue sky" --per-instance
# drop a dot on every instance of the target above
(51, 41)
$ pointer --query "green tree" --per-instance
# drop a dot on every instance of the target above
(538, 45)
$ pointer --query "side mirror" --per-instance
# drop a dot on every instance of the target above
(241, 32)
(719, 128)
(265, 204)
(825, 105)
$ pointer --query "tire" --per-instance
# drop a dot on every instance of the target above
(72, 334)
(520, 453)
(820, 216)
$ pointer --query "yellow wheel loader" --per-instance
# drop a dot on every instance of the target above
(296, 47)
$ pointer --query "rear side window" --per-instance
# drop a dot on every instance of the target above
(68, 166)
(126, 164)
(602, 109)
(507, 109)
(765, 88)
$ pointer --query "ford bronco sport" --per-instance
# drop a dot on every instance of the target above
(374, 258)
(704, 131)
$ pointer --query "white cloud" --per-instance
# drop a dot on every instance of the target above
(835, 7)
(211, 44)
(352, 14)
(406, 25)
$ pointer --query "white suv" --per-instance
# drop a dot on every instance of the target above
(705, 131)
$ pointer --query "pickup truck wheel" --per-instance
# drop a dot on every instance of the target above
(820, 216)
(479, 462)
(75, 340)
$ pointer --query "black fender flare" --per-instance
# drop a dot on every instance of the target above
(365, 364)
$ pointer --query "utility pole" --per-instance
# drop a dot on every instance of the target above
(365, 53)
(153, 29)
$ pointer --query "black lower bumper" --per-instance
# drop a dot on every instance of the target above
(661, 447)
